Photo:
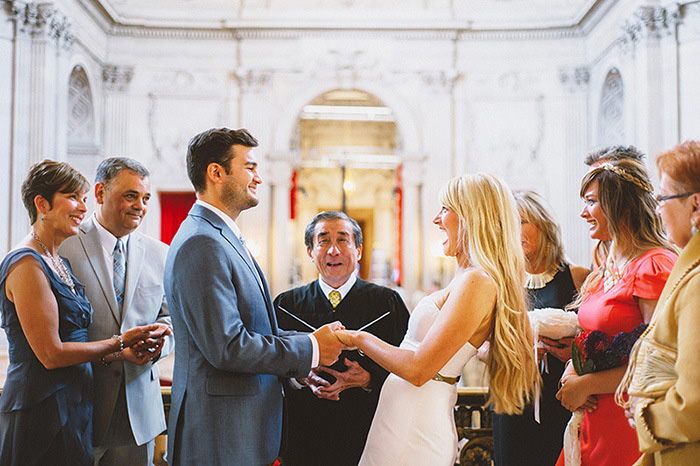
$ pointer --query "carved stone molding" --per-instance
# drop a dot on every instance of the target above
(42, 20)
(61, 31)
(514, 84)
(347, 66)
(254, 81)
(441, 82)
(649, 22)
(575, 79)
(117, 78)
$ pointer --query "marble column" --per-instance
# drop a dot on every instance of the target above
(413, 242)
(280, 236)
(40, 39)
(650, 36)
(575, 86)
(116, 81)
(262, 223)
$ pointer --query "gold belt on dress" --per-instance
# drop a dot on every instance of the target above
(449, 380)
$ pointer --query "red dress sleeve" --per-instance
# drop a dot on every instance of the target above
(652, 273)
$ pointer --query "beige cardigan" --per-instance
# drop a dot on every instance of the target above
(668, 428)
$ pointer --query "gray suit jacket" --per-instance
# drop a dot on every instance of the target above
(230, 358)
(144, 303)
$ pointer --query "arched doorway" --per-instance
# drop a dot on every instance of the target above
(346, 141)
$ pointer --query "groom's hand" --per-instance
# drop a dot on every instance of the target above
(328, 345)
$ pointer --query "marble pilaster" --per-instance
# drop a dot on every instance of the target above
(575, 86)
(280, 235)
(116, 81)
(41, 36)
(650, 35)
(413, 242)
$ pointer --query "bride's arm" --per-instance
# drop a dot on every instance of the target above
(465, 314)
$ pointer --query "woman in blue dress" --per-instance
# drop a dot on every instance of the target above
(46, 403)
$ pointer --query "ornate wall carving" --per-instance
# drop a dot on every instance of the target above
(254, 81)
(42, 20)
(575, 79)
(611, 125)
(649, 22)
(81, 118)
(117, 78)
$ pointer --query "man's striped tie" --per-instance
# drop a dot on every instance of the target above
(119, 272)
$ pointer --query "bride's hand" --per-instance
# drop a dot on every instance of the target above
(346, 337)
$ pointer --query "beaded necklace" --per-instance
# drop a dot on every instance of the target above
(58, 265)
(613, 273)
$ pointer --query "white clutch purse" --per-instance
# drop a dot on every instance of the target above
(650, 373)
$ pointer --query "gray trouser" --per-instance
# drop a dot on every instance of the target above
(118, 447)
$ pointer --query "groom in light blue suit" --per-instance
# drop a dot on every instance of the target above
(231, 358)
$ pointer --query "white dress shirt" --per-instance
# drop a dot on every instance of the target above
(108, 241)
(343, 289)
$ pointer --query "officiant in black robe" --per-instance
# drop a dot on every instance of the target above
(329, 424)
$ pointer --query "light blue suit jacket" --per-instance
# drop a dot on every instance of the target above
(231, 357)
(144, 303)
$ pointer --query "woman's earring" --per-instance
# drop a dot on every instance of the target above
(694, 228)
(41, 218)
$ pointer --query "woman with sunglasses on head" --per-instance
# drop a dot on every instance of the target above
(619, 294)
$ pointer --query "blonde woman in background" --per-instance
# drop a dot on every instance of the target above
(551, 283)
(663, 377)
(414, 422)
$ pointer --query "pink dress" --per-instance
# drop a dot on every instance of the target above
(606, 437)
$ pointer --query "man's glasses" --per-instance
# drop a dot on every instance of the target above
(659, 198)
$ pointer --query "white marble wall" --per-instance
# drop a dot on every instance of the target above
(522, 103)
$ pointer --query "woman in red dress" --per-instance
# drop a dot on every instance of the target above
(632, 262)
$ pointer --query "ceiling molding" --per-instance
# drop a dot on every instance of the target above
(112, 23)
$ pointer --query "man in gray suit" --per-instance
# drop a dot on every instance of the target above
(122, 271)
(231, 357)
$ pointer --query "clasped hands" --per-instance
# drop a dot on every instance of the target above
(332, 340)
(144, 344)
(574, 394)
(354, 376)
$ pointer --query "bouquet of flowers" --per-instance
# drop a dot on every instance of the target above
(592, 352)
(553, 323)
(596, 351)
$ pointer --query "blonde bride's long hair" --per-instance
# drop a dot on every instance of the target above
(489, 237)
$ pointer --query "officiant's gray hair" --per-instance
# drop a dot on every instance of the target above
(331, 215)
(534, 209)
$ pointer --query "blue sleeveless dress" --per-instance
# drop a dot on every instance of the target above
(45, 415)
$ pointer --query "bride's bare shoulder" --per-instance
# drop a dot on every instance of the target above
(474, 277)
(469, 284)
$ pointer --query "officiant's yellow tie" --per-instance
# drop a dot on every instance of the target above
(334, 298)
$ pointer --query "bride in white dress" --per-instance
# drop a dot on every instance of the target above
(414, 422)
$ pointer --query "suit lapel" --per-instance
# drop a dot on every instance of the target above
(90, 240)
(239, 247)
(134, 260)
(268, 299)
(242, 251)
